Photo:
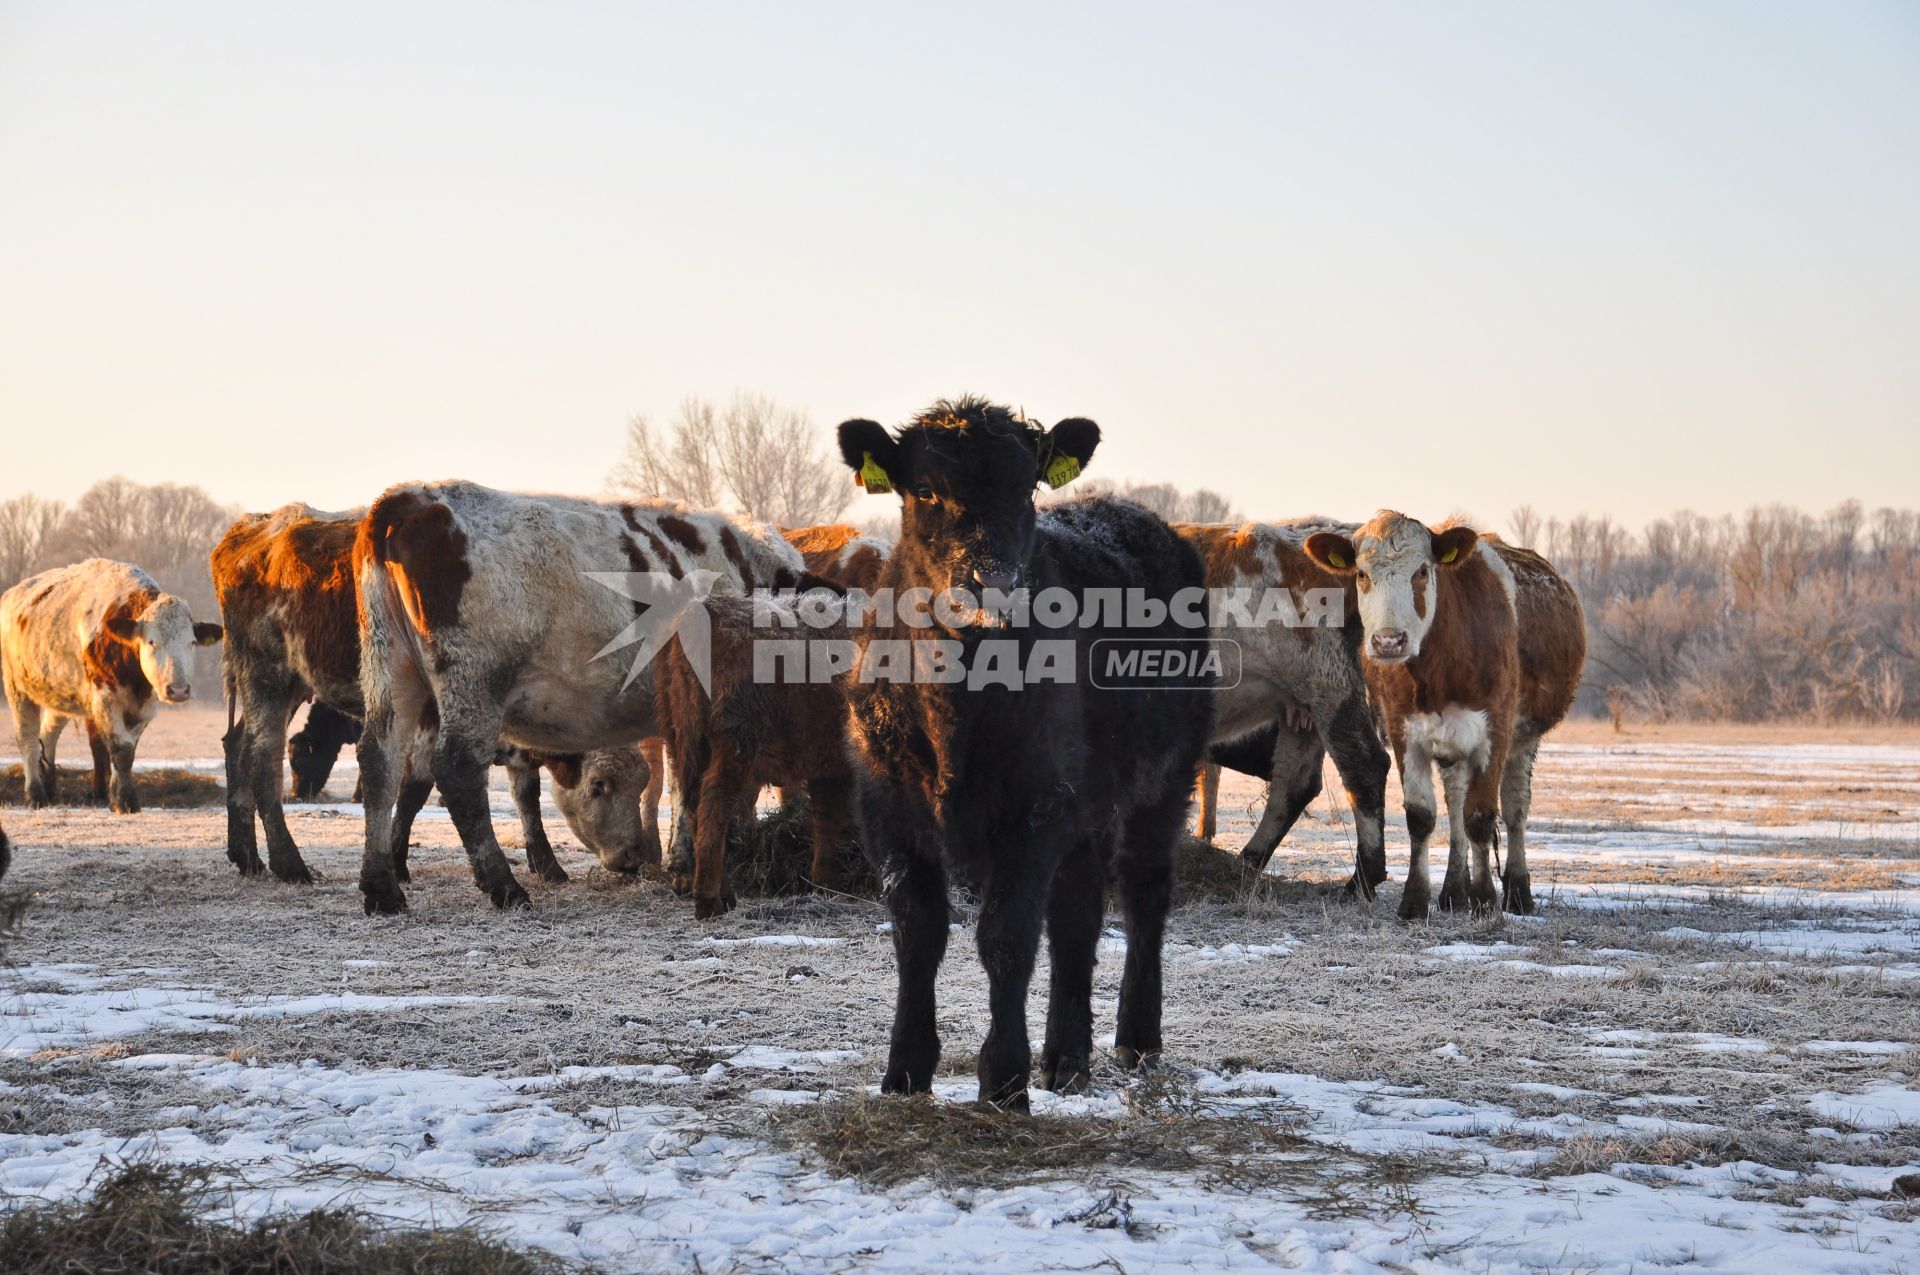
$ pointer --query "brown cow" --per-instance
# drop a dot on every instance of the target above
(286, 588)
(1474, 649)
(757, 727)
(96, 642)
(841, 553)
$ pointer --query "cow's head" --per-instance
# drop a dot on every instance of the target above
(1395, 562)
(599, 794)
(163, 634)
(966, 473)
(312, 752)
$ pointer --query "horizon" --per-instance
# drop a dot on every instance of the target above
(1618, 261)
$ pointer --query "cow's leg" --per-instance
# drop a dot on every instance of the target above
(265, 705)
(916, 889)
(828, 803)
(1209, 801)
(462, 756)
(1351, 739)
(1145, 868)
(689, 770)
(243, 846)
(1416, 786)
(1516, 799)
(721, 795)
(1453, 887)
(387, 734)
(413, 796)
(1483, 824)
(122, 797)
(654, 752)
(50, 727)
(1007, 935)
(1075, 908)
(27, 717)
(1295, 782)
(102, 763)
(523, 775)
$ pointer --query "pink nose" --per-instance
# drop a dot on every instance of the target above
(179, 692)
(1390, 644)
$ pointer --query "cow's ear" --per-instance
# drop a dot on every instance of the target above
(207, 634)
(122, 625)
(566, 770)
(1066, 449)
(872, 454)
(1331, 550)
(1454, 545)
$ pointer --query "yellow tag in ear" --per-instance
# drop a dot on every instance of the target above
(1338, 560)
(1449, 556)
(872, 477)
(1061, 470)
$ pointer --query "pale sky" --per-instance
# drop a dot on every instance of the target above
(1605, 257)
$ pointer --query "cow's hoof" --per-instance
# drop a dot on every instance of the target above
(383, 902)
(1413, 907)
(681, 883)
(401, 872)
(510, 895)
(1516, 895)
(1358, 887)
(292, 874)
(548, 870)
(1453, 899)
(1132, 1058)
(1072, 1078)
(707, 909)
(1017, 1102)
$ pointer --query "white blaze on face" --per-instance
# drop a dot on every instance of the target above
(1396, 575)
(166, 641)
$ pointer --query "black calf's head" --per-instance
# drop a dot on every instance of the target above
(313, 751)
(966, 473)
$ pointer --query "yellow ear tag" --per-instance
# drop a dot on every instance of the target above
(1449, 556)
(1061, 470)
(872, 477)
(1339, 560)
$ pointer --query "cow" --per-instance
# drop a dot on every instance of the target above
(1035, 792)
(1474, 649)
(744, 730)
(841, 553)
(6, 853)
(285, 582)
(96, 642)
(481, 619)
(1302, 680)
(315, 747)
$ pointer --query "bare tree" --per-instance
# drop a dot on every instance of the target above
(1526, 526)
(27, 528)
(757, 457)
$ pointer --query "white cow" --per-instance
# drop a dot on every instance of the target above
(99, 643)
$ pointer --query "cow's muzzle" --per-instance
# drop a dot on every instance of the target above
(178, 693)
(1390, 644)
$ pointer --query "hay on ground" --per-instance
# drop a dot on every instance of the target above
(772, 856)
(166, 788)
(153, 1218)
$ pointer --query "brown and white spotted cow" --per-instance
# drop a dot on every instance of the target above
(480, 611)
(1301, 685)
(285, 582)
(841, 553)
(99, 643)
(1474, 649)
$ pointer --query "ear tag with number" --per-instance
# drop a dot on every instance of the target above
(1061, 470)
(872, 477)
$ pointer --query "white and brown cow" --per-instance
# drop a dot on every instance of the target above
(285, 582)
(842, 553)
(1473, 650)
(99, 643)
(481, 615)
(1300, 685)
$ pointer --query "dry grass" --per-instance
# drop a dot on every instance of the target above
(164, 788)
(772, 856)
(151, 1220)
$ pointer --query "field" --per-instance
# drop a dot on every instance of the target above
(1702, 1051)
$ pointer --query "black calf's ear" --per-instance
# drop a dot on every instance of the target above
(871, 453)
(207, 634)
(1069, 446)
(1331, 550)
(122, 626)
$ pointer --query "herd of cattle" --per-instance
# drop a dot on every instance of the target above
(449, 627)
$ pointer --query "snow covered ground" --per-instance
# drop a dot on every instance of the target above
(1699, 1053)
